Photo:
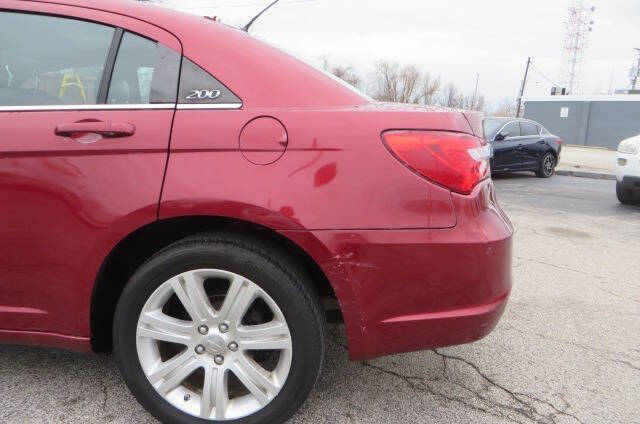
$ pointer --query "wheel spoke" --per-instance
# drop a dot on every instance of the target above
(167, 367)
(208, 392)
(254, 378)
(159, 321)
(191, 294)
(159, 326)
(238, 299)
(178, 375)
(222, 394)
(273, 335)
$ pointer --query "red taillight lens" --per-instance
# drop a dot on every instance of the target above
(456, 161)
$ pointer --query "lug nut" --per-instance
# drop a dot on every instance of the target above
(218, 359)
(233, 346)
(203, 329)
(199, 349)
(223, 327)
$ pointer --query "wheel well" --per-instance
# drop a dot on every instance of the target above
(143, 243)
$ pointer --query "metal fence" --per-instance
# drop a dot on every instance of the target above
(601, 121)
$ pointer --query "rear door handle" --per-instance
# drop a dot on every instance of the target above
(106, 129)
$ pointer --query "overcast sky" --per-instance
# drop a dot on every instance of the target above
(452, 39)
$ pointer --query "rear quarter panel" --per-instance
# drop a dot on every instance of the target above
(335, 173)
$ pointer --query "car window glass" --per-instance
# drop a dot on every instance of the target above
(513, 128)
(197, 86)
(491, 127)
(47, 60)
(529, 128)
(144, 72)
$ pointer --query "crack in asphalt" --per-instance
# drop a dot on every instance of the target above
(106, 397)
(602, 279)
(601, 353)
(629, 364)
(566, 268)
(519, 410)
(612, 293)
(524, 408)
(417, 383)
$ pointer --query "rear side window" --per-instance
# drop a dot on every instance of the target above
(197, 86)
(529, 128)
(47, 60)
(144, 72)
(513, 128)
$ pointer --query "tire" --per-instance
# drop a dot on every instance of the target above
(547, 166)
(295, 329)
(625, 196)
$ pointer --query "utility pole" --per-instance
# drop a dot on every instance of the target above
(610, 91)
(524, 83)
(475, 93)
(635, 78)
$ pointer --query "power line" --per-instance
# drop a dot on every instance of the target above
(544, 76)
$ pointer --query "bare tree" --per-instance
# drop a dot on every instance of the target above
(429, 90)
(406, 84)
(344, 72)
(409, 81)
(451, 96)
(395, 84)
(386, 85)
(506, 108)
(473, 102)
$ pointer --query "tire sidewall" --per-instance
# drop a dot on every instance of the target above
(283, 287)
(626, 196)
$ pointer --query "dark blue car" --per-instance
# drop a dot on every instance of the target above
(522, 145)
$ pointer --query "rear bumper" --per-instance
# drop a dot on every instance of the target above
(437, 329)
(407, 290)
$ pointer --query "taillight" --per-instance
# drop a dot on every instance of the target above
(454, 160)
(559, 140)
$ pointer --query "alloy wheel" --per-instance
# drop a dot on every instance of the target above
(548, 165)
(214, 344)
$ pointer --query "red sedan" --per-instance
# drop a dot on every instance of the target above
(175, 190)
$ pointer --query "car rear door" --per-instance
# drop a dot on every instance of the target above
(86, 106)
(532, 145)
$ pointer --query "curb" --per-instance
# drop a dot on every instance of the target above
(582, 146)
(586, 174)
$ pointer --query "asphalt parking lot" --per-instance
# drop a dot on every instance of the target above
(567, 349)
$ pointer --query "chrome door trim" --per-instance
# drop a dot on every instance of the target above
(85, 107)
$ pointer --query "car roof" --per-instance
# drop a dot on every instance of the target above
(123, 7)
(507, 119)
